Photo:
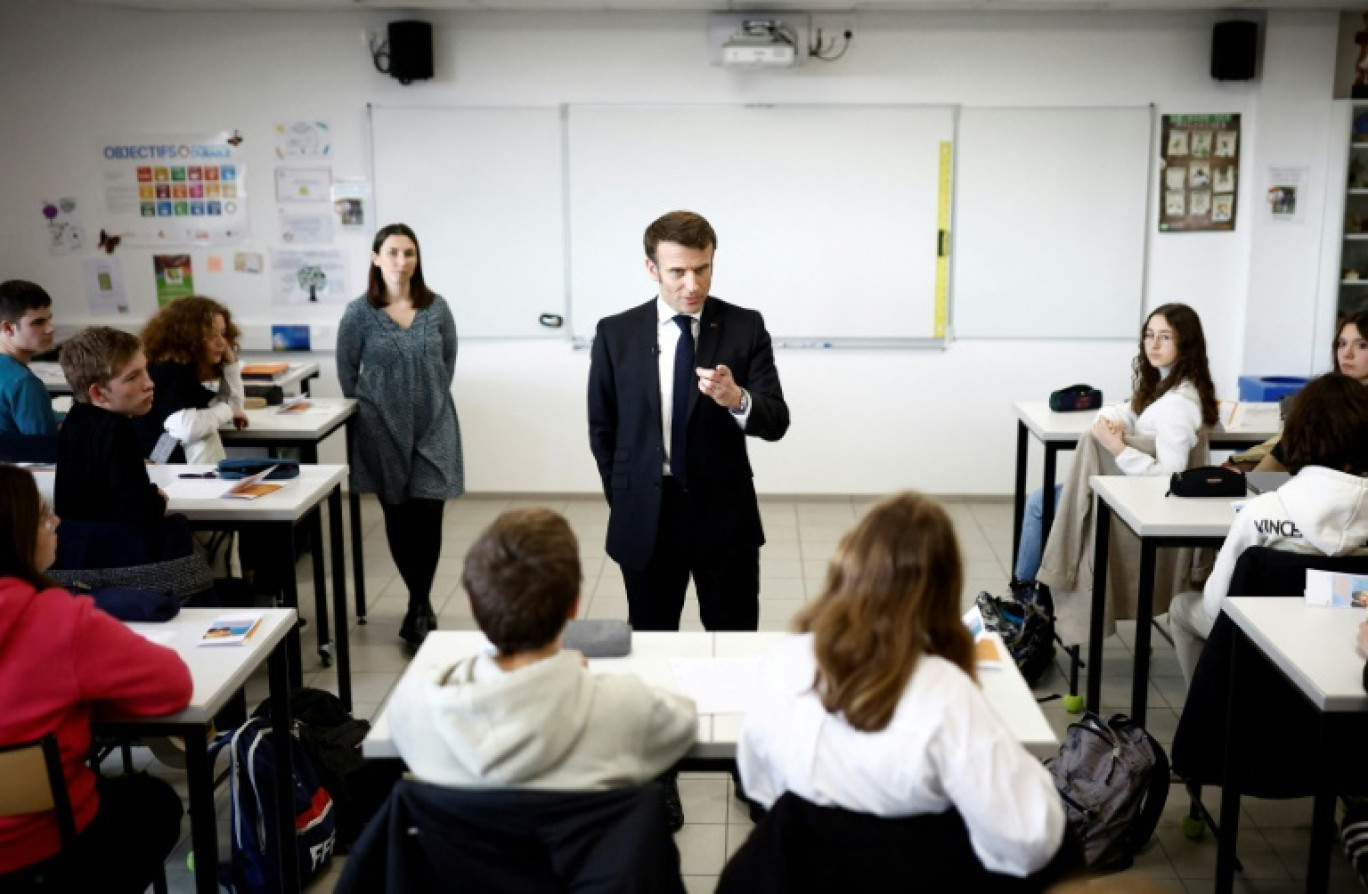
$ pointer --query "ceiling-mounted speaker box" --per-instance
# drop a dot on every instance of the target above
(1234, 50)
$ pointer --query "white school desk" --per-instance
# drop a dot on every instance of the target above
(1157, 520)
(219, 672)
(297, 377)
(1061, 431)
(278, 514)
(1314, 647)
(269, 428)
(1004, 688)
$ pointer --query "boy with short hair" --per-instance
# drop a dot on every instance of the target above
(101, 473)
(25, 331)
(529, 715)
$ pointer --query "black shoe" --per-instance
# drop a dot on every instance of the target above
(674, 810)
(416, 626)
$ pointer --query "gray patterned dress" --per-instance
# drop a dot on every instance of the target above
(408, 439)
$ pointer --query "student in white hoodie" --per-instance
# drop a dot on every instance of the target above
(1322, 510)
(875, 708)
(527, 714)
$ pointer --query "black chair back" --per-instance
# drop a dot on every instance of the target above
(1272, 761)
(434, 838)
(803, 847)
(28, 448)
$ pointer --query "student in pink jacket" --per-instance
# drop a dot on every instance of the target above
(62, 660)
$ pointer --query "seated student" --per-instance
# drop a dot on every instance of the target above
(527, 714)
(61, 660)
(874, 708)
(25, 331)
(191, 341)
(1349, 354)
(1173, 399)
(101, 472)
(1322, 509)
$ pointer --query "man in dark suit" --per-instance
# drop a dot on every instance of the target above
(675, 386)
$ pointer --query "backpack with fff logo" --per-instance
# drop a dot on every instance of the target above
(331, 737)
(1113, 778)
(255, 868)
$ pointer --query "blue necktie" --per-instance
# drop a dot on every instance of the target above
(683, 382)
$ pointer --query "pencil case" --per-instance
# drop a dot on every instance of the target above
(1075, 397)
(246, 467)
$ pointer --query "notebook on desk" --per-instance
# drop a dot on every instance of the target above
(1266, 482)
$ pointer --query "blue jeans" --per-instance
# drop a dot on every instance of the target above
(1033, 535)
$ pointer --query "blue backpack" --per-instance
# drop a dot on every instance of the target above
(255, 868)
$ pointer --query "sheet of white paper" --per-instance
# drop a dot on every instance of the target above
(718, 685)
(159, 636)
(197, 488)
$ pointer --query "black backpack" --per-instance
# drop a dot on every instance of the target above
(1114, 779)
(331, 737)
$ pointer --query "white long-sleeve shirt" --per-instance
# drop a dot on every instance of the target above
(197, 430)
(1174, 420)
(944, 746)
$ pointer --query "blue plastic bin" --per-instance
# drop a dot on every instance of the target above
(1269, 389)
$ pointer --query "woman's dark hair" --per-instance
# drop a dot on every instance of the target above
(177, 332)
(1328, 426)
(376, 294)
(1360, 322)
(20, 513)
(891, 596)
(1191, 364)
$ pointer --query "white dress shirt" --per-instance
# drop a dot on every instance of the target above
(667, 341)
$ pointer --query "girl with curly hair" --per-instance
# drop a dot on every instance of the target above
(189, 342)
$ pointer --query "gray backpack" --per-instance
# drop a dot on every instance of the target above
(1113, 779)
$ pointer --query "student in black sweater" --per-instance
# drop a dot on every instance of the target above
(101, 472)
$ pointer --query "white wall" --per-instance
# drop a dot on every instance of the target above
(864, 422)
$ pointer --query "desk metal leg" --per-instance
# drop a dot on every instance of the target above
(1144, 614)
(199, 776)
(296, 664)
(1047, 502)
(325, 646)
(279, 671)
(1230, 792)
(1323, 813)
(339, 575)
(1019, 500)
(358, 563)
(1102, 512)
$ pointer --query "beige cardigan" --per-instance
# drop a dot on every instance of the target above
(1067, 563)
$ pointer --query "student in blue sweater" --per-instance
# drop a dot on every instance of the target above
(25, 331)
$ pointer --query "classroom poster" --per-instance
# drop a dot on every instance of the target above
(174, 278)
(180, 189)
(303, 141)
(1200, 170)
(308, 276)
(1285, 193)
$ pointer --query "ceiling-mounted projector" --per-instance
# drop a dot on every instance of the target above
(760, 43)
(757, 39)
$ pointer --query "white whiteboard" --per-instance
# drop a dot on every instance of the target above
(1050, 222)
(825, 215)
(483, 190)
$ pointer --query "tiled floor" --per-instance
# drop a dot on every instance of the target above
(802, 535)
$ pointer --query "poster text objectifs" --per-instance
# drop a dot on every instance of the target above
(1200, 172)
(176, 190)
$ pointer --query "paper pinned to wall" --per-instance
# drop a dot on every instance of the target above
(303, 140)
(308, 276)
(64, 230)
(105, 287)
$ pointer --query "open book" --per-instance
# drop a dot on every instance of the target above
(987, 651)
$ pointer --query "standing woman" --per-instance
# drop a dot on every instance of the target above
(396, 354)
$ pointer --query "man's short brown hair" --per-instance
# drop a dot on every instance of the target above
(1328, 426)
(523, 577)
(682, 228)
(95, 357)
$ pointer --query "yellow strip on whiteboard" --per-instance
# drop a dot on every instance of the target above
(943, 243)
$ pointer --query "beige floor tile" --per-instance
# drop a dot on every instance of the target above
(702, 848)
